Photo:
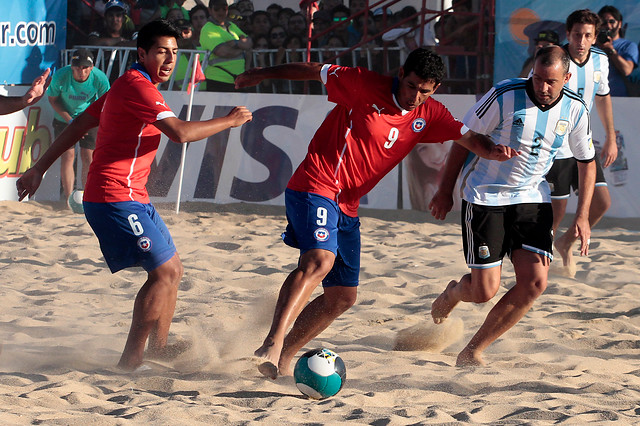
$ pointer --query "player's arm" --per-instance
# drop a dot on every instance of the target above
(9, 104)
(187, 131)
(294, 71)
(484, 147)
(610, 148)
(587, 183)
(30, 181)
(56, 104)
(442, 201)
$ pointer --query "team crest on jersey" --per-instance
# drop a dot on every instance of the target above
(597, 75)
(144, 243)
(418, 124)
(483, 252)
(561, 127)
(321, 234)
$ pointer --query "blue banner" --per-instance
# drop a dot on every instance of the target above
(519, 21)
(32, 33)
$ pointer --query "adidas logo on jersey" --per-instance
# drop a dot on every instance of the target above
(518, 122)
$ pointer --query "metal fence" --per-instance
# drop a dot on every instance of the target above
(114, 61)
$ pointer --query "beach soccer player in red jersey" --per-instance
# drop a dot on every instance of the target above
(131, 117)
(377, 121)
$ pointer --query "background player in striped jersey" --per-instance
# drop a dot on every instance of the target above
(131, 117)
(589, 70)
(377, 121)
(506, 206)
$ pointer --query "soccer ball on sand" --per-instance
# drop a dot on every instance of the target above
(75, 201)
(320, 373)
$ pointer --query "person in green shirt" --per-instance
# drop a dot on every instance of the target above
(73, 88)
(228, 45)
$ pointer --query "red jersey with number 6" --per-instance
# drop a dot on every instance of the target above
(127, 140)
(365, 136)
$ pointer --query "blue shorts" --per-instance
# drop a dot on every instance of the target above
(316, 222)
(130, 234)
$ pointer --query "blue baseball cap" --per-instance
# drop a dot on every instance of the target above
(115, 3)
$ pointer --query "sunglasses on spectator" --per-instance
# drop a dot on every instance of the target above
(611, 21)
(339, 19)
(278, 35)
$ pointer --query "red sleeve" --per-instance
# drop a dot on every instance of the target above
(344, 84)
(95, 109)
(443, 126)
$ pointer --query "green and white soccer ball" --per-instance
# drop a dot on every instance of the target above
(320, 373)
(75, 201)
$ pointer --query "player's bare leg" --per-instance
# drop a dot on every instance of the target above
(313, 320)
(448, 299)
(531, 281)
(313, 266)
(86, 156)
(152, 314)
(600, 203)
(67, 175)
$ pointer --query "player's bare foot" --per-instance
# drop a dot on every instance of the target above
(469, 358)
(129, 363)
(564, 248)
(269, 353)
(169, 352)
(444, 304)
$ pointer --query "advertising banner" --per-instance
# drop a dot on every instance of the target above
(32, 33)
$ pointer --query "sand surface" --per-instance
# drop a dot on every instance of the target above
(574, 358)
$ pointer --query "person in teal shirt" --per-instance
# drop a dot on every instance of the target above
(73, 88)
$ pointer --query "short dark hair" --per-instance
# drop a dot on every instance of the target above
(612, 11)
(426, 64)
(258, 13)
(149, 33)
(549, 55)
(583, 16)
(196, 8)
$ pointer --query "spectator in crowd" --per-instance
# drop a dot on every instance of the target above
(113, 32)
(260, 23)
(357, 6)
(340, 14)
(234, 16)
(284, 15)
(228, 45)
(380, 22)
(198, 15)
(174, 14)
(297, 26)
(277, 35)
(273, 9)
(328, 5)
(163, 9)
(321, 23)
(622, 53)
(245, 7)
(261, 58)
(545, 38)
(73, 88)
(407, 35)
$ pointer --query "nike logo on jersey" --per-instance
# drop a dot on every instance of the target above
(379, 110)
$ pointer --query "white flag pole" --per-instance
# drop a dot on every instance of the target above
(184, 145)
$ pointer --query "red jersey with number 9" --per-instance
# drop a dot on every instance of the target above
(365, 136)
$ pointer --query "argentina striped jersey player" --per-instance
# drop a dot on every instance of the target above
(509, 112)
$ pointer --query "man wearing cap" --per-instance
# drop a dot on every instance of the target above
(545, 38)
(73, 88)
(115, 31)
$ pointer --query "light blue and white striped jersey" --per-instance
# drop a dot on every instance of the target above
(510, 115)
(588, 79)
